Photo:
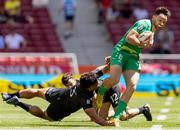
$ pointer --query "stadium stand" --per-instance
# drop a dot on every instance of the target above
(118, 27)
(41, 35)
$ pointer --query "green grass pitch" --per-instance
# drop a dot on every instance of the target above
(15, 118)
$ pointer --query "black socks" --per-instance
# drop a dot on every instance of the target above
(141, 110)
(24, 106)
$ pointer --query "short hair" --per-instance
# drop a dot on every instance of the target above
(65, 78)
(162, 10)
(87, 80)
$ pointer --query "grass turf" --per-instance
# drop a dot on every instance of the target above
(15, 118)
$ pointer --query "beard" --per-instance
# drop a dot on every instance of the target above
(157, 27)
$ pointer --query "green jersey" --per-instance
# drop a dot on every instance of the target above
(140, 26)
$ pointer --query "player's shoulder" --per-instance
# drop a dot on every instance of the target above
(85, 94)
(144, 21)
(143, 24)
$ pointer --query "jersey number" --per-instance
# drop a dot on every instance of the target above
(114, 98)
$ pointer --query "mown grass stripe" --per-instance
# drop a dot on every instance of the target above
(167, 103)
(156, 127)
(164, 110)
(161, 117)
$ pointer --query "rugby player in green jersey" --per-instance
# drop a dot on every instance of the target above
(125, 58)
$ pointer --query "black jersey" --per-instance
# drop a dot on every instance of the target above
(65, 101)
(112, 95)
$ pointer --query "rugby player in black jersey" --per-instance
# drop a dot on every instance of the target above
(111, 98)
(63, 101)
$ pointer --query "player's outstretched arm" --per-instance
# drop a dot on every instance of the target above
(91, 112)
(100, 70)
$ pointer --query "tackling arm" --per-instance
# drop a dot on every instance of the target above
(91, 112)
(100, 70)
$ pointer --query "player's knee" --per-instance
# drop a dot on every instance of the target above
(132, 86)
(39, 92)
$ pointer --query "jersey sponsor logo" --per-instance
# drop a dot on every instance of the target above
(100, 82)
(88, 101)
(140, 27)
(73, 92)
(120, 58)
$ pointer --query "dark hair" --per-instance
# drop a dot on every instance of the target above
(65, 78)
(87, 80)
(162, 10)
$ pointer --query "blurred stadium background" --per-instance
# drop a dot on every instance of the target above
(48, 53)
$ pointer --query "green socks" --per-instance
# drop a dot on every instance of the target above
(101, 90)
(120, 108)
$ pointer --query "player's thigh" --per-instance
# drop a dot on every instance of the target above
(117, 62)
(131, 77)
(47, 117)
(115, 72)
(132, 63)
(54, 111)
(41, 92)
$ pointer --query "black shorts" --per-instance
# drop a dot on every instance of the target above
(112, 95)
(69, 18)
(55, 110)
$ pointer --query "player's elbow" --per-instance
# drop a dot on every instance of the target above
(128, 38)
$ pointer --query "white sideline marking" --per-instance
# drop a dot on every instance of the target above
(167, 103)
(156, 127)
(161, 117)
(170, 98)
(164, 110)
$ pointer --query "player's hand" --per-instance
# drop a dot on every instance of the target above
(113, 122)
(99, 101)
(107, 59)
(148, 43)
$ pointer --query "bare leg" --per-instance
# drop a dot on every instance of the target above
(130, 113)
(26, 93)
(115, 73)
(131, 77)
(31, 93)
(38, 112)
(34, 110)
